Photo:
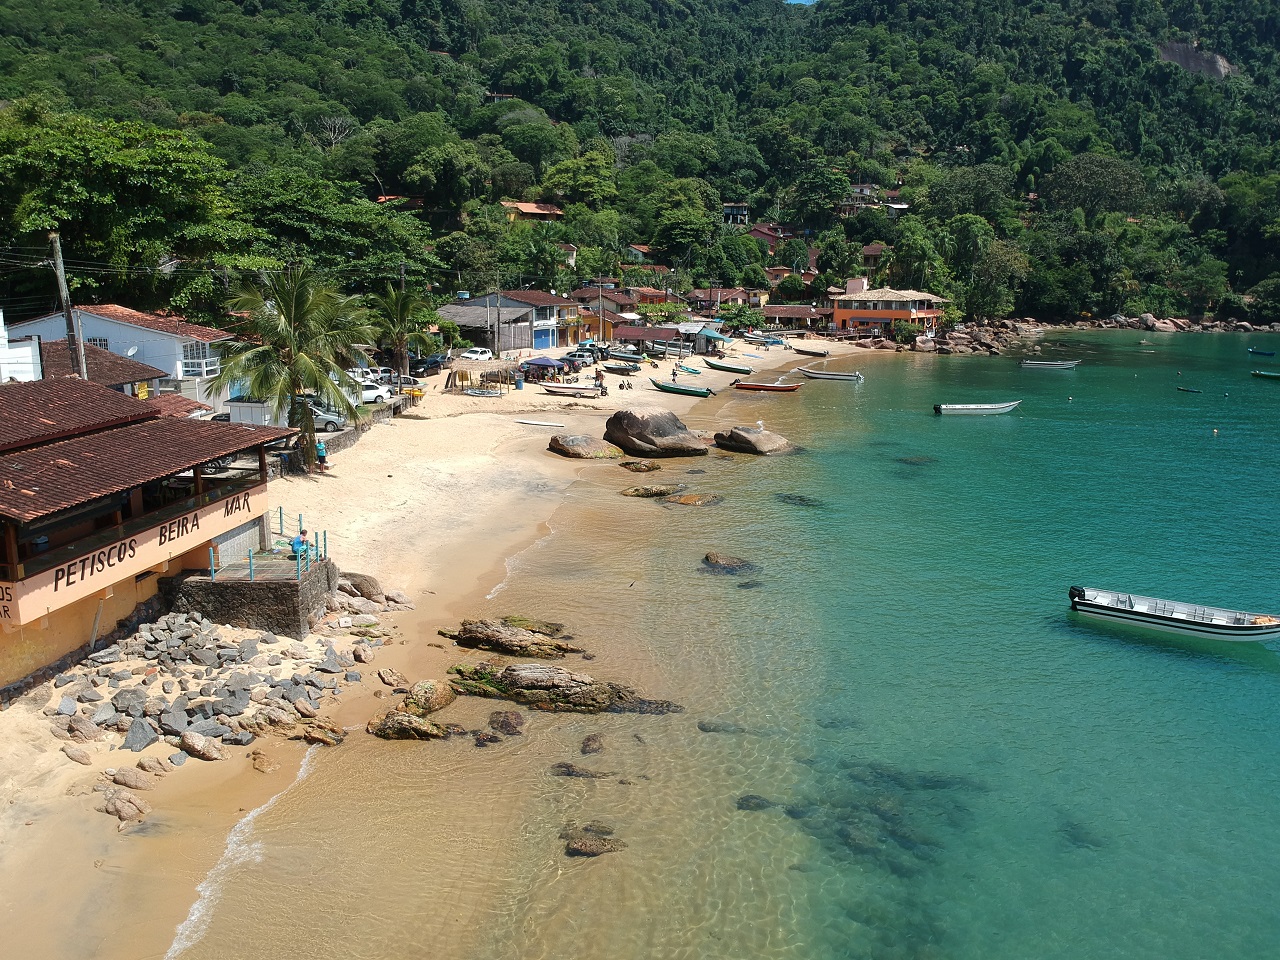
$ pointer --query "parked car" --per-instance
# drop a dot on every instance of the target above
(584, 357)
(429, 365)
(405, 382)
(374, 393)
(327, 420)
(477, 353)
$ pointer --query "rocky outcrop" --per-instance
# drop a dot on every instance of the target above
(566, 769)
(653, 433)
(653, 490)
(590, 840)
(507, 722)
(722, 563)
(426, 697)
(405, 726)
(201, 747)
(640, 466)
(499, 636)
(756, 440)
(124, 805)
(361, 585)
(583, 448)
(545, 687)
(695, 499)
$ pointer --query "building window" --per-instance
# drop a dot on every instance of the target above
(100, 342)
(198, 361)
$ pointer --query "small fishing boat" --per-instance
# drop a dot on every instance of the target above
(1266, 374)
(620, 369)
(763, 339)
(854, 377)
(681, 389)
(1048, 364)
(1171, 616)
(1262, 353)
(480, 392)
(770, 387)
(728, 367)
(683, 369)
(1190, 390)
(978, 409)
(571, 389)
(807, 352)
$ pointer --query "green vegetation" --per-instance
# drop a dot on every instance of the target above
(1051, 162)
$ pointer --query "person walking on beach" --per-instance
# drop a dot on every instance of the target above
(675, 372)
(322, 455)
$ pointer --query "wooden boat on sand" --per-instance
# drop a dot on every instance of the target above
(1048, 364)
(620, 369)
(1170, 616)
(683, 369)
(976, 409)
(854, 377)
(808, 352)
(727, 366)
(768, 387)
(681, 389)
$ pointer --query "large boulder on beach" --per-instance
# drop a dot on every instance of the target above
(582, 448)
(652, 490)
(365, 586)
(653, 433)
(756, 440)
(500, 636)
(426, 697)
(200, 747)
(405, 726)
(545, 687)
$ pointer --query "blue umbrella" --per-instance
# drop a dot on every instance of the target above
(545, 362)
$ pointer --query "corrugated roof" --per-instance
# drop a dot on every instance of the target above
(164, 322)
(41, 411)
(103, 366)
(45, 480)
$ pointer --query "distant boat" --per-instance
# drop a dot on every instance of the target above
(1266, 374)
(805, 351)
(680, 388)
(1171, 616)
(854, 377)
(1190, 390)
(1049, 364)
(621, 369)
(770, 387)
(728, 367)
(1262, 353)
(979, 409)
(683, 369)
(572, 389)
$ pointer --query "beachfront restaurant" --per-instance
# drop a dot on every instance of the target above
(100, 496)
(874, 313)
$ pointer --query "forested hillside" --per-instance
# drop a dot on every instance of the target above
(1049, 160)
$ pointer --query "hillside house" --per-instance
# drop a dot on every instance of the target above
(875, 312)
(517, 210)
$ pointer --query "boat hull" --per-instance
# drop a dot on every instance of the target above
(569, 390)
(728, 367)
(768, 387)
(681, 389)
(973, 409)
(1170, 616)
(806, 352)
(621, 369)
(693, 370)
(1049, 364)
(1266, 374)
(854, 377)
(1262, 353)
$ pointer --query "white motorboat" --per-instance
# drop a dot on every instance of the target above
(1171, 616)
(978, 409)
(571, 389)
(854, 377)
(1049, 364)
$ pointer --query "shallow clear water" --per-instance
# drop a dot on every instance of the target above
(950, 764)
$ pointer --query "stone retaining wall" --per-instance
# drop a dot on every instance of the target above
(284, 607)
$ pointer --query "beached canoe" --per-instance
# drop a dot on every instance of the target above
(728, 367)
(1266, 374)
(975, 409)
(807, 352)
(1048, 364)
(1170, 616)
(620, 369)
(681, 389)
(854, 377)
(767, 387)
(693, 370)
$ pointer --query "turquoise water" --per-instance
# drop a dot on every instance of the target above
(945, 762)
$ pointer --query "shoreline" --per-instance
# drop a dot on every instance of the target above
(491, 497)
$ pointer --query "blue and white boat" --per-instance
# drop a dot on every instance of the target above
(1171, 616)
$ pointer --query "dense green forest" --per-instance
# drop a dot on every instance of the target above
(1051, 162)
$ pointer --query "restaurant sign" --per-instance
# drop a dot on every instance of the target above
(30, 599)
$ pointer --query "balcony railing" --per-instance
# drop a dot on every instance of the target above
(208, 367)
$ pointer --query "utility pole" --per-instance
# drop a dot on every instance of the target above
(402, 276)
(74, 342)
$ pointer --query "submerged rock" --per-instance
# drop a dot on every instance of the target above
(696, 499)
(753, 801)
(592, 744)
(640, 466)
(798, 500)
(545, 687)
(497, 636)
(405, 726)
(565, 769)
(754, 440)
(508, 722)
(722, 563)
(720, 726)
(654, 490)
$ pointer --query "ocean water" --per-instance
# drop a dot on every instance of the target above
(898, 742)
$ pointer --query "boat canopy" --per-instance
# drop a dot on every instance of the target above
(713, 335)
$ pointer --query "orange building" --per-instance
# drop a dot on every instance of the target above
(874, 312)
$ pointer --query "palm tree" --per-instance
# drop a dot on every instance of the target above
(298, 336)
(399, 318)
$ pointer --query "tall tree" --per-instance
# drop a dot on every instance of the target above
(299, 336)
(399, 319)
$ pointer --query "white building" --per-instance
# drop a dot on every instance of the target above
(184, 351)
(18, 361)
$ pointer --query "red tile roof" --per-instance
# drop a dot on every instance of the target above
(537, 298)
(41, 411)
(103, 366)
(544, 209)
(176, 405)
(47, 479)
(164, 322)
(597, 294)
(800, 311)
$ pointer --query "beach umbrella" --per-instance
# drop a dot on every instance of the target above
(545, 362)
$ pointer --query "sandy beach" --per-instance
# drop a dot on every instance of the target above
(432, 503)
